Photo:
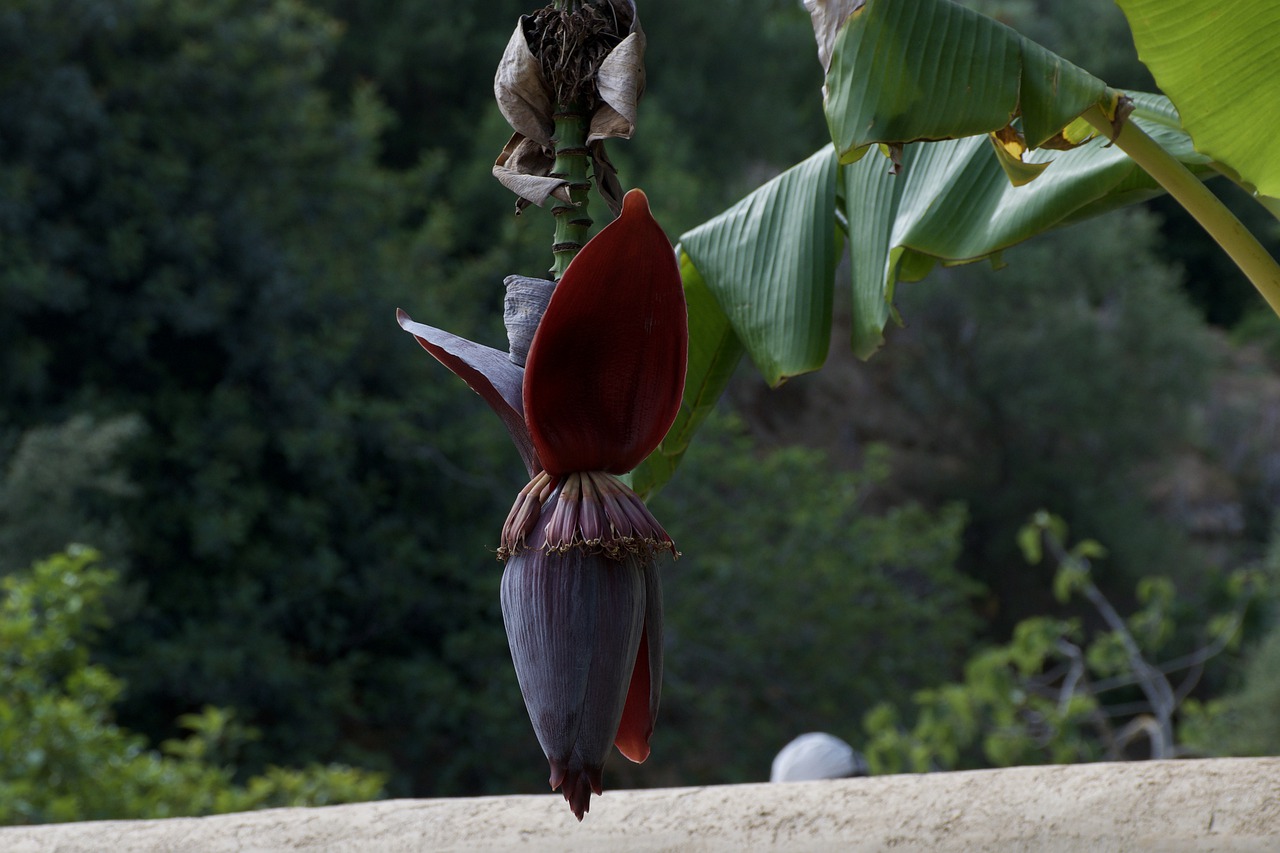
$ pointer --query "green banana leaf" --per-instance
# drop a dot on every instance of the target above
(714, 353)
(768, 260)
(1220, 64)
(931, 69)
(772, 258)
(760, 276)
(954, 203)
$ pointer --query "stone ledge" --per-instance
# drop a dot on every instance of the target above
(1211, 804)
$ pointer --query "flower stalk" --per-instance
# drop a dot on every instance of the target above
(573, 222)
(1222, 225)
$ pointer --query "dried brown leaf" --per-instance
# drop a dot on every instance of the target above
(524, 167)
(523, 95)
(526, 99)
(828, 16)
(620, 82)
(606, 174)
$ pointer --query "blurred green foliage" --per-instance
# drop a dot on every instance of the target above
(67, 759)
(63, 483)
(198, 234)
(1060, 691)
(1246, 719)
(1058, 383)
(794, 609)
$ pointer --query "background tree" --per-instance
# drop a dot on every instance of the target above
(66, 757)
(1040, 386)
(63, 483)
(1043, 696)
(200, 236)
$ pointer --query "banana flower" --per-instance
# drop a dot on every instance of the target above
(581, 595)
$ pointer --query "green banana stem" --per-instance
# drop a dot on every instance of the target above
(1271, 204)
(573, 222)
(1236, 240)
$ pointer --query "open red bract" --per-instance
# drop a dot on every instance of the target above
(605, 373)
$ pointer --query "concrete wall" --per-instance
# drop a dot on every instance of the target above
(1216, 804)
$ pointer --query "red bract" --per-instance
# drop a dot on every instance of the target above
(605, 373)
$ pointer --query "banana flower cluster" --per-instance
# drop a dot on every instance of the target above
(581, 595)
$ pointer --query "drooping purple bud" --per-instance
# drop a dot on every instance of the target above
(574, 623)
(585, 632)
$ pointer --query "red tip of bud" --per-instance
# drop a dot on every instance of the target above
(635, 201)
(578, 785)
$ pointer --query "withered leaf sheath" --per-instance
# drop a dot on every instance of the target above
(599, 63)
(522, 309)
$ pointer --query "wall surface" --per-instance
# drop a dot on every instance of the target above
(1212, 804)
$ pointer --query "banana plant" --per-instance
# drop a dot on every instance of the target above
(953, 138)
